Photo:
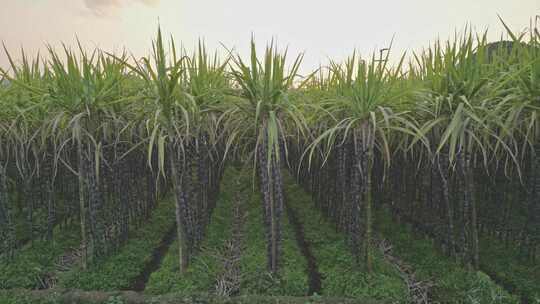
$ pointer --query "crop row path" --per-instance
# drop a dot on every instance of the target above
(342, 275)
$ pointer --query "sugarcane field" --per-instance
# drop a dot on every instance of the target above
(155, 166)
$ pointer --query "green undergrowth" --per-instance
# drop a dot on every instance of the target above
(205, 266)
(506, 264)
(120, 269)
(292, 279)
(204, 269)
(452, 283)
(80, 297)
(341, 275)
(21, 227)
(36, 260)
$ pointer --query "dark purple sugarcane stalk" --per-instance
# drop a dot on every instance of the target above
(95, 204)
(189, 199)
(7, 236)
(278, 211)
(48, 175)
(444, 174)
(176, 159)
(204, 181)
(265, 185)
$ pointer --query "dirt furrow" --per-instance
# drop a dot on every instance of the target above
(419, 291)
(229, 281)
(305, 247)
(139, 283)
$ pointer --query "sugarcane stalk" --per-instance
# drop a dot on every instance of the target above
(85, 246)
(183, 254)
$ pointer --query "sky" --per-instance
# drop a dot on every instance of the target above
(321, 29)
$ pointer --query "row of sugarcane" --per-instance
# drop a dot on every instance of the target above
(449, 144)
(430, 138)
(84, 144)
(110, 195)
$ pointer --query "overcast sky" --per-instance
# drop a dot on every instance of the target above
(323, 29)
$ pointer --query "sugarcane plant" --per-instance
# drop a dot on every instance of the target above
(181, 121)
(260, 121)
(368, 100)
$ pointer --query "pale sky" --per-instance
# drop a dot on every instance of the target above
(322, 29)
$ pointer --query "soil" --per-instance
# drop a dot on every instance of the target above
(420, 291)
(131, 297)
(229, 281)
(139, 283)
(305, 248)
